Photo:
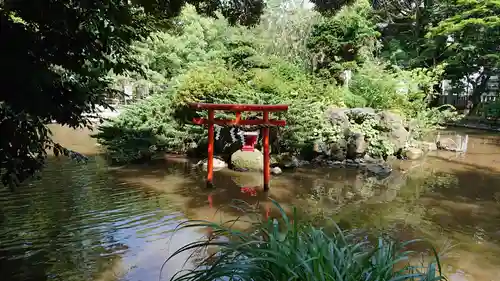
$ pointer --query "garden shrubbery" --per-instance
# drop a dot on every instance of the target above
(206, 60)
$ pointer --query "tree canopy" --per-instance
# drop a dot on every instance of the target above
(57, 56)
(205, 60)
(468, 40)
(460, 35)
(62, 57)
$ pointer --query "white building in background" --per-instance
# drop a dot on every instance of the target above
(447, 96)
(128, 91)
(459, 99)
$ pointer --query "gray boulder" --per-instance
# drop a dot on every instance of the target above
(338, 150)
(395, 132)
(390, 119)
(360, 114)
(378, 169)
(353, 144)
(362, 110)
(338, 117)
(356, 146)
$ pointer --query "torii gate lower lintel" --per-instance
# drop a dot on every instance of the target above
(264, 123)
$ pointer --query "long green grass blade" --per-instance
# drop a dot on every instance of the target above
(290, 249)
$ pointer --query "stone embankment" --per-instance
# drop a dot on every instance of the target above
(363, 133)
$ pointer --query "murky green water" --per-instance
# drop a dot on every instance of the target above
(75, 221)
(92, 222)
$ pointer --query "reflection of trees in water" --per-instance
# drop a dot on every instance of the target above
(351, 190)
(371, 203)
(64, 226)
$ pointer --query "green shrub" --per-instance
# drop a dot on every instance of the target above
(209, 83)
(281, 83)
(294, 250)
(233, 79)
(378, 87)
(205, 60)
(239, 77)
(144, 129)
(381, 86)
(352, 100)
(427, 121)
(492, 110)
(343, 40)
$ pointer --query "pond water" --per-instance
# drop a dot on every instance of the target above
(95, 222)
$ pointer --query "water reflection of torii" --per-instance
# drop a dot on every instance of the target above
(268, 206)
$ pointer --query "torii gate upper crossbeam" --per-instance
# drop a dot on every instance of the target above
(265, 122)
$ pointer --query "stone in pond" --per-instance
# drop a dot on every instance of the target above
(276, 171)
(218, 164)
(397, 134)
(247, 160)
(356, 146)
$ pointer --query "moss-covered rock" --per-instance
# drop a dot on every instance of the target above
(247, 160)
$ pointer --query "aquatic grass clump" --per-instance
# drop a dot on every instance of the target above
(287, 249)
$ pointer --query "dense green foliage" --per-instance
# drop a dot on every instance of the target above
(63, 56)
(472, 31)
(57, 55)
(284, 30)
(461, 36)
(206, 60)
(290, 249)
(490, 111)
(342, 41)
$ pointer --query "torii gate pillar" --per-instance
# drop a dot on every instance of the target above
(265, 122)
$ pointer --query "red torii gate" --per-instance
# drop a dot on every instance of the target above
(238, 121)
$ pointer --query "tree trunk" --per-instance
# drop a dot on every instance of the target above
(434, 100)
(479, 88)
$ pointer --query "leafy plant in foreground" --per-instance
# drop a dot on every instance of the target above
(292, 250)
